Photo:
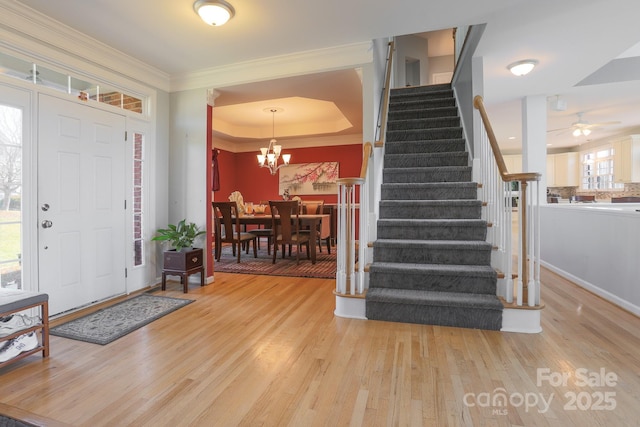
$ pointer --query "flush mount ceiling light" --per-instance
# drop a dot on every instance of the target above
(214, 12)
(523, 67)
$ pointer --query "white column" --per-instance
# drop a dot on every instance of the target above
(534, 139)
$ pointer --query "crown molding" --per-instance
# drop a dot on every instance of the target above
(295, 64)
(289, 143)
(33, 34)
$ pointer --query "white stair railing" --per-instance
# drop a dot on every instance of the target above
(497, 191)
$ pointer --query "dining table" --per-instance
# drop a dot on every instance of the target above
(317, 223)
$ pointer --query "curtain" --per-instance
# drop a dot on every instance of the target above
(215, 184)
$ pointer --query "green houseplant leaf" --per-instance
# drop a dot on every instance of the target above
(180, 236)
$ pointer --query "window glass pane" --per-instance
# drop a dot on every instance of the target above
(15, 67)
(52, 79)
(138, 216)
(109, 95)
(82, 89)
(10, 197)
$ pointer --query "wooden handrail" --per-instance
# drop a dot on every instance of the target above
(478, 103)
(367, 151)
(522, 178)
(385, 101)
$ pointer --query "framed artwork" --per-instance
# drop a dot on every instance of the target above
(309, 178)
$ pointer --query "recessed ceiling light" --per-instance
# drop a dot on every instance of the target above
(512, 137)
(521, 68)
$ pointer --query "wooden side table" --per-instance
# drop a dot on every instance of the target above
(184, 277)
(183, 264)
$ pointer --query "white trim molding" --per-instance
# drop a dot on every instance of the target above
(334, 58)
(31, 33)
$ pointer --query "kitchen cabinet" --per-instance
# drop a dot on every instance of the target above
(563, 170)
(513, 163)
(626, 159)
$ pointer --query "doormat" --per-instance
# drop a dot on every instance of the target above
(110, 323)
(6, 421)
(324, 268)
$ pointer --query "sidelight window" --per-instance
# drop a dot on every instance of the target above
(138, 189)
(10, 197)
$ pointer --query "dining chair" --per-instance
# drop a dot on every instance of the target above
(263, 232)
(286, 223)
(229, 230)
(316, 207)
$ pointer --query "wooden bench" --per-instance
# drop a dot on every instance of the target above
(14, 301)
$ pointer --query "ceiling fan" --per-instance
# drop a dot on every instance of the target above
(583, 127)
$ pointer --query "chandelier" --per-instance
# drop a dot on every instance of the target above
(268, 157)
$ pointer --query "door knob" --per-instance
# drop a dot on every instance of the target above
(47, 224)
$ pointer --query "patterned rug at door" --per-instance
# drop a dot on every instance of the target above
(324, 268)
(110, 323)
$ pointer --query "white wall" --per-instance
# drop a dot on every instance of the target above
(187, 156)
(595, 246)
(413, 47)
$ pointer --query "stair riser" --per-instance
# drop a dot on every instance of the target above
(423, 134)
(433, 282)
(422, 89)
(425, 160)
(419, 124)
(400, 97)
(428, 255)
(421, 105)
(435, 315)
(391, 192)
(430, 212)
(425, 175)
(431, 233)
(413, 147)
(422, 114)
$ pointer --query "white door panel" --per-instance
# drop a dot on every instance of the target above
(81, 156)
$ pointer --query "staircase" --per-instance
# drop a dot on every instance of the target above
(431, 263)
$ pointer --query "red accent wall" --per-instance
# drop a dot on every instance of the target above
(240, 171)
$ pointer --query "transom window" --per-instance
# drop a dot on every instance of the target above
(84, 90)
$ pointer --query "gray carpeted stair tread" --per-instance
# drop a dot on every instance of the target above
(421, 104)
(423, 134)
(431, 203)
(424, 146)
(478, 279)
(434, 298)
(440, 269)
(422, 113)
(432, 174)
(423, 123)
(437, 222)
(432, 229)
(426, 160)
(449, 244)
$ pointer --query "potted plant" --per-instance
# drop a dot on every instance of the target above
(183, 256)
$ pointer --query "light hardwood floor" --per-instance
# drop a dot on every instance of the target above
(268, 351)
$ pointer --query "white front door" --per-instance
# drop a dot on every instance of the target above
(81, 212)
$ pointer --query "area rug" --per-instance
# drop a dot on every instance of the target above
(324, 268)
(110, 323)
(6, 421)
